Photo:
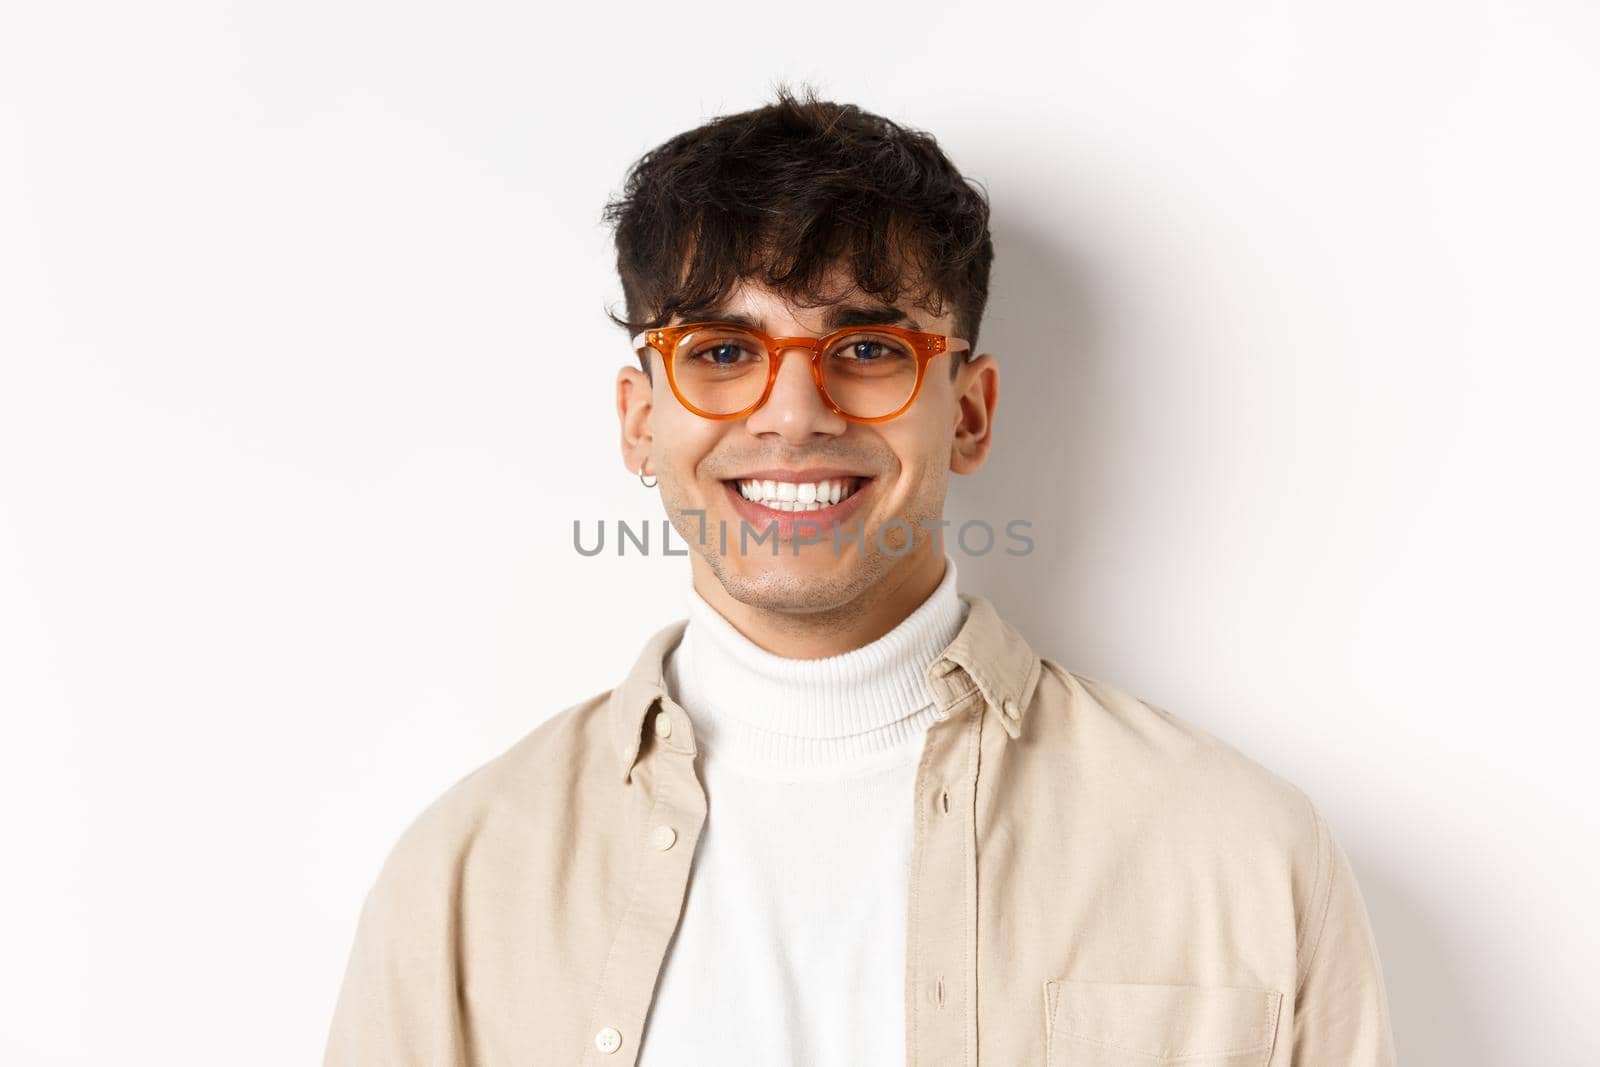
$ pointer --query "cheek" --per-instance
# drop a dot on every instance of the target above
(922, 446)
(684, 443)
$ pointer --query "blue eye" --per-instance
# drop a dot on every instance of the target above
(870, 347)
(718, 352)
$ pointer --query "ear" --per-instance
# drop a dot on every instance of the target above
(635, 398)
(977, 389)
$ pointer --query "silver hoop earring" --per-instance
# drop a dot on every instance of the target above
(650, 484)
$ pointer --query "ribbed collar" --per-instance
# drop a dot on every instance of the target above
(989, 669)
(841, 714)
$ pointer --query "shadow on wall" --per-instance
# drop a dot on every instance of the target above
(1056, 429)
(1049, 433)
(1434, 1021)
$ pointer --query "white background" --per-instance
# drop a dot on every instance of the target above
(305, 374)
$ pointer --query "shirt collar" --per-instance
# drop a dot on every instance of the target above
(989, 662)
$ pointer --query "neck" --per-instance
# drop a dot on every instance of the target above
(879, 608)
(842, 714)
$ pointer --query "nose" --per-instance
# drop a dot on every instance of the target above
(795, 410)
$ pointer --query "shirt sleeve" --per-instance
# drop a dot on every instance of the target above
(398, 1004)
(1341, 1012)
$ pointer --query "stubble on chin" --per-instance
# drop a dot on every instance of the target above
(764, 583)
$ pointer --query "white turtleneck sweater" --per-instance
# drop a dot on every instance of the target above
(791, 948)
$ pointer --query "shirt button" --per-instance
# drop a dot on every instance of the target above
(608, 1040)
(663, 725)
(663, 837)
(1011, 708)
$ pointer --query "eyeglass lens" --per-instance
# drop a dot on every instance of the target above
(866, 373)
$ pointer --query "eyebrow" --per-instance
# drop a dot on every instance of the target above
(837, 316)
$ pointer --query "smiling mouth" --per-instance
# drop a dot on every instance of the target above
(797, 496)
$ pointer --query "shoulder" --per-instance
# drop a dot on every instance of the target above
(1165, 764)
(547, 771)
(1157, 784)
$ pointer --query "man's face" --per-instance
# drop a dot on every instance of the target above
(895, 470)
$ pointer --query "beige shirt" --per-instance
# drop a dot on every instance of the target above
(1094, 883)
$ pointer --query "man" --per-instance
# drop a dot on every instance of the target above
(844, 813)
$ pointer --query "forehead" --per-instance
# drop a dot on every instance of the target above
(773, 313)
(839, 302)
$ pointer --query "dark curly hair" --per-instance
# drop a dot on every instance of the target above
(781, 194)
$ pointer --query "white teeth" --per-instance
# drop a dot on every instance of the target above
(798, 496)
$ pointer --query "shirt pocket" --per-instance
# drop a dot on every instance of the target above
(1119, 1024)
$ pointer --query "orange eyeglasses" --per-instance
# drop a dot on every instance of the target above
(722, 370)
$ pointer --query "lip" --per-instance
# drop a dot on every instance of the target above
(818, 523)
(809, 474)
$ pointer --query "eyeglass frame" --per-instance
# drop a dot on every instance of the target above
(664, 340)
